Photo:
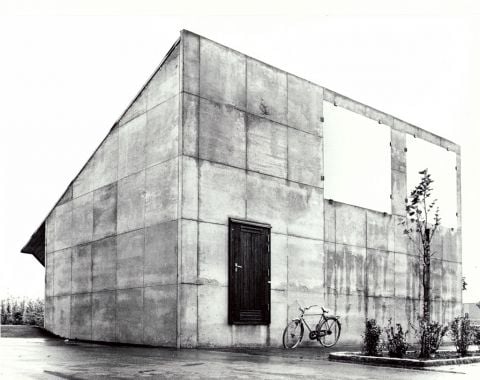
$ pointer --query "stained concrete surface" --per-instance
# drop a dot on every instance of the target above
(50, 358)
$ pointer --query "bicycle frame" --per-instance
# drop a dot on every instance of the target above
(302, 319)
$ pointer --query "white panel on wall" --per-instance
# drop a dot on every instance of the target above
(357, 159)
(441, 165)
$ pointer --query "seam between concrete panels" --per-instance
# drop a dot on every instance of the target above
(179, 249)
(197, 122)
(261, 173)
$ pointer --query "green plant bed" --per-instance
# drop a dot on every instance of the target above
(410, 360)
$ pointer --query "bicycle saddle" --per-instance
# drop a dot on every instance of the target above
(325, 310)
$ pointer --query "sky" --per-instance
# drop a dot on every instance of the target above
(70, 68)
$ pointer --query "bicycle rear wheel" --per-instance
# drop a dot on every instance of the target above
(293, 334)
(329, 332)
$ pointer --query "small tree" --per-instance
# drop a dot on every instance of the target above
(420, 227)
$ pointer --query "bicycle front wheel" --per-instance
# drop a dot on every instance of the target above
(329, 332)
(293, 334)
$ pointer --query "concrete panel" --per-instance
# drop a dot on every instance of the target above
(212, 254)
(137, 108)
(189, 252)
(105, 161)
(305, 265)
(266, 91)
(61, 316)
(305, 211)
(305, 158)
(130, 255)
(62, 273)
(379, 116)
(267, 201)
(84, 181)
(49, 269)
(402, 126)
(328, 95)
(82, 269)
(160, 315)
(402, 242)
(82, 219)
(249, 336)
(436, 276)
(331, 284)
(67, 195)
(305, 105)
(350, 266)
(213, 328)
(50, 232)
(351, 309)
(451, 281)
(189, 188)
(103, 316)
(191, 62)
(49, 314)
(349, 104)
(63, 226)
(162, 132)
(380, 231)
(266, 146)
(105, 211)
(222, 134)
(131, 150)
(278, 316)
(350, 225)
(188, 314)
(382, 309)
(190, 120)
(222, 192)
(81, 318)
(399, 192)
(166, 81)
(380, 273)
(104, 262)
(407, 311)
(131, 202)
(161, 193)
(222, 74)
(451, 249)
(329, 224)
(129, 312)
(279, 259)
(407, 276)
(399, 157)
(160, 264)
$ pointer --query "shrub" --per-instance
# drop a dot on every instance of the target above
(462, 334)
(396, 341)
(430, 336)
(371, 338)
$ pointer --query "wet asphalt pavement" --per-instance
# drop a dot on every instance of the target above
(51, 358)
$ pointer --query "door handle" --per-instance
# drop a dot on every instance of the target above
(237, 266)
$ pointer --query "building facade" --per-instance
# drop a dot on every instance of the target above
(201, 219)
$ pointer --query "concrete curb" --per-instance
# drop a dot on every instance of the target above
(357, 357)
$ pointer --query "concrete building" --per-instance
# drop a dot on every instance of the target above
(202, 218)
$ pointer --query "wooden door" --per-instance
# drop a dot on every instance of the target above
(249, 273)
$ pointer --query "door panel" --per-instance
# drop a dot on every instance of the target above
(249, 273)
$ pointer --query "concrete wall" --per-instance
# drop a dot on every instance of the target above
(252, 149)
(111, 242)
(137, 249)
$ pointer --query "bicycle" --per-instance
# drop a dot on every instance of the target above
(326, 332)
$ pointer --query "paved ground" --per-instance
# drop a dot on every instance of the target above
(50, 358)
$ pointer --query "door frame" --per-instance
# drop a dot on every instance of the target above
(231, 272)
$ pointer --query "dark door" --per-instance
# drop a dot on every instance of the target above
(249, 273)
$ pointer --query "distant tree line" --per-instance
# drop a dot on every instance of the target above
(22, 311)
